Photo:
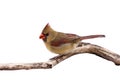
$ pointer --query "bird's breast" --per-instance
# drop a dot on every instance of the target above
(62, 49)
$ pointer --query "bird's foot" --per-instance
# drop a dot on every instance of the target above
(82, 44)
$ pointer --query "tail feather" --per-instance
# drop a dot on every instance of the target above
(91, 36)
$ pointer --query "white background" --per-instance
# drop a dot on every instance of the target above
(21, 22)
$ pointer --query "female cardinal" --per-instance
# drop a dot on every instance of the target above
(62, 43)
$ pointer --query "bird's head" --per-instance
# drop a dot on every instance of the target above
(48, 34)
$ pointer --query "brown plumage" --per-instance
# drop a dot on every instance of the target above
(62, 43)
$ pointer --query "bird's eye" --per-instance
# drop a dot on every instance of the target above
(47, 34)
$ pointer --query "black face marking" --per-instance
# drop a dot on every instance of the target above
(46, 35)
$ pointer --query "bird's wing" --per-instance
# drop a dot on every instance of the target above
(63, 39)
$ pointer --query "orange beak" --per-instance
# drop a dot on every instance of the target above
(42, 36)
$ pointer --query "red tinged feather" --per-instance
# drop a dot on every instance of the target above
(60, 42)
(70, 38)
(47, 25)
(72, 35)
(91, 36)
(67, 38)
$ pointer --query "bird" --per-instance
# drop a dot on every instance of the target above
(62, 43)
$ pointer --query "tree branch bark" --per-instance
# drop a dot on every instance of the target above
(82, 48)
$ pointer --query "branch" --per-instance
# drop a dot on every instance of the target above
(82, 48)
